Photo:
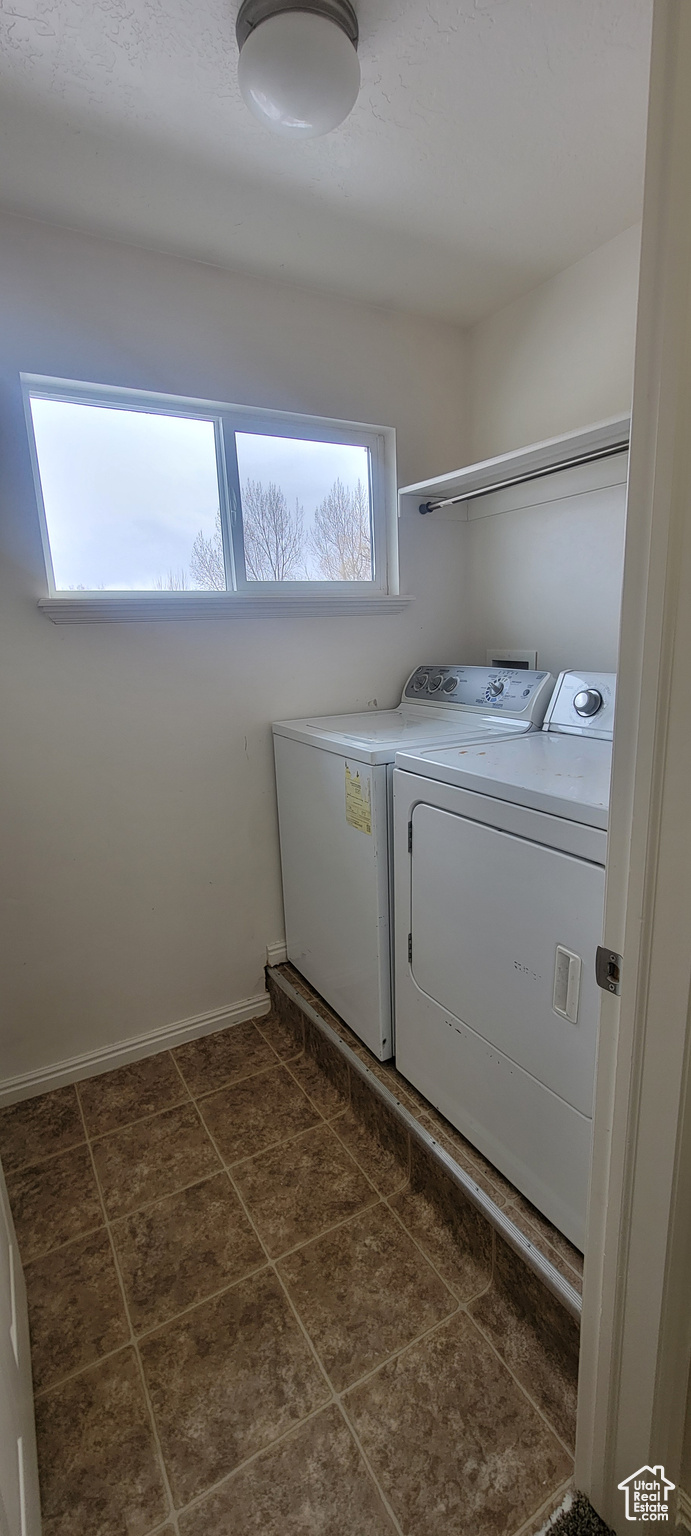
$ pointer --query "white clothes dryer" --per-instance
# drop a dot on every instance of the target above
(499, 890)
(333, 777)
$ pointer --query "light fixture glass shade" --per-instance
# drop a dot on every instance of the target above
(299, 74)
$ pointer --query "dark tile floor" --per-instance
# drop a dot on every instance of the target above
(251, 1317)
(555, 1247)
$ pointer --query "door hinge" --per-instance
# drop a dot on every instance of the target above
(608, 969)
(410, 948)
(410, 836)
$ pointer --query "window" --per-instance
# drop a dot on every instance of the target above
(151, 494)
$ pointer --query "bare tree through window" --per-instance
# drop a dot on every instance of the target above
(173, 581)
(338, 547)
(207, 566)
(274, 536)
(341, 540)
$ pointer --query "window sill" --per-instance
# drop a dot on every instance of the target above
(125, 608)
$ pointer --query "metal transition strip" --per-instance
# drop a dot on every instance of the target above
(531, 1256)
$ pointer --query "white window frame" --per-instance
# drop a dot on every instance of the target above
(243, 596)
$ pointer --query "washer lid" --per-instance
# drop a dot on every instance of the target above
(375, 736)
(564, 775)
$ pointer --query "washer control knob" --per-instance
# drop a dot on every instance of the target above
(435, 681)
(587, 702)
(419, 681)
(450, 685)
(496, 687)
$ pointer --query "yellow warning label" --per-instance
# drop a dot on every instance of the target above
(358, 801)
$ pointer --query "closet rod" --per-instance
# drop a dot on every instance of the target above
(534, 474)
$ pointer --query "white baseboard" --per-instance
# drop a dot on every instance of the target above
(28, 1084)
(276, 954)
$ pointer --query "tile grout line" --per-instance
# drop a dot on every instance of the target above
(337, 1112)
(273, 1267)
(149, 1205)
(401, 1349)
(521, 1387)
(80, 1371)
(404, 1181)
(465, 1304)
(430, 1260)
(133, 1342)
(546, 1510)
(147, 1333)
(460, 1306)
(334, 1397)
(242, 1466)
(529, 1252)
(272, 1263)
(569, 1450)
(234, 1082)
(286, 1253)
(38, 1162)
(46, 1253)
(185, 1085)
(96, 1137)
(271, 1146)
(385, 1198)
(140, 1120)
(382, 1494)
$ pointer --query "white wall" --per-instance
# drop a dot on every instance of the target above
(544, 567)
(559, 358)
(140, 866)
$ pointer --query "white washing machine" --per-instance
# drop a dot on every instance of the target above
(334, 776)
(500, 876)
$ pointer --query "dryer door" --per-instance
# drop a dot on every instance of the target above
(499, 925)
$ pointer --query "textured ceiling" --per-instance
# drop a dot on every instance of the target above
(493, 143)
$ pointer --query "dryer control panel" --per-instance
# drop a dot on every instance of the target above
(511, 691)
(583, 705)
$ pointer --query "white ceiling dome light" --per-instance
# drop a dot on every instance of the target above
(298, 71)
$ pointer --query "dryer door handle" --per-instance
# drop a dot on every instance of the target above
(567, 984)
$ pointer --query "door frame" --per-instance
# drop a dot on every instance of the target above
(636, 1334)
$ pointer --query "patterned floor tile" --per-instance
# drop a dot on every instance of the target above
(54, 1201)
(452, 1439)
(296, 1190)
(362, 1291)
(214, 1060)
(39, 1127)
(152, 1158)
(226, 1379)
(182, 1249)
(100, 1474)
(253, 1114)
(447, 1227)
(131, 1092)
(76, 1313)
(315, 1483)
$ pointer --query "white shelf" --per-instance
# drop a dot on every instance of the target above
(550, 454)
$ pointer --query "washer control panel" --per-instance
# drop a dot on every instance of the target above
(505, 690)
(583, 704)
